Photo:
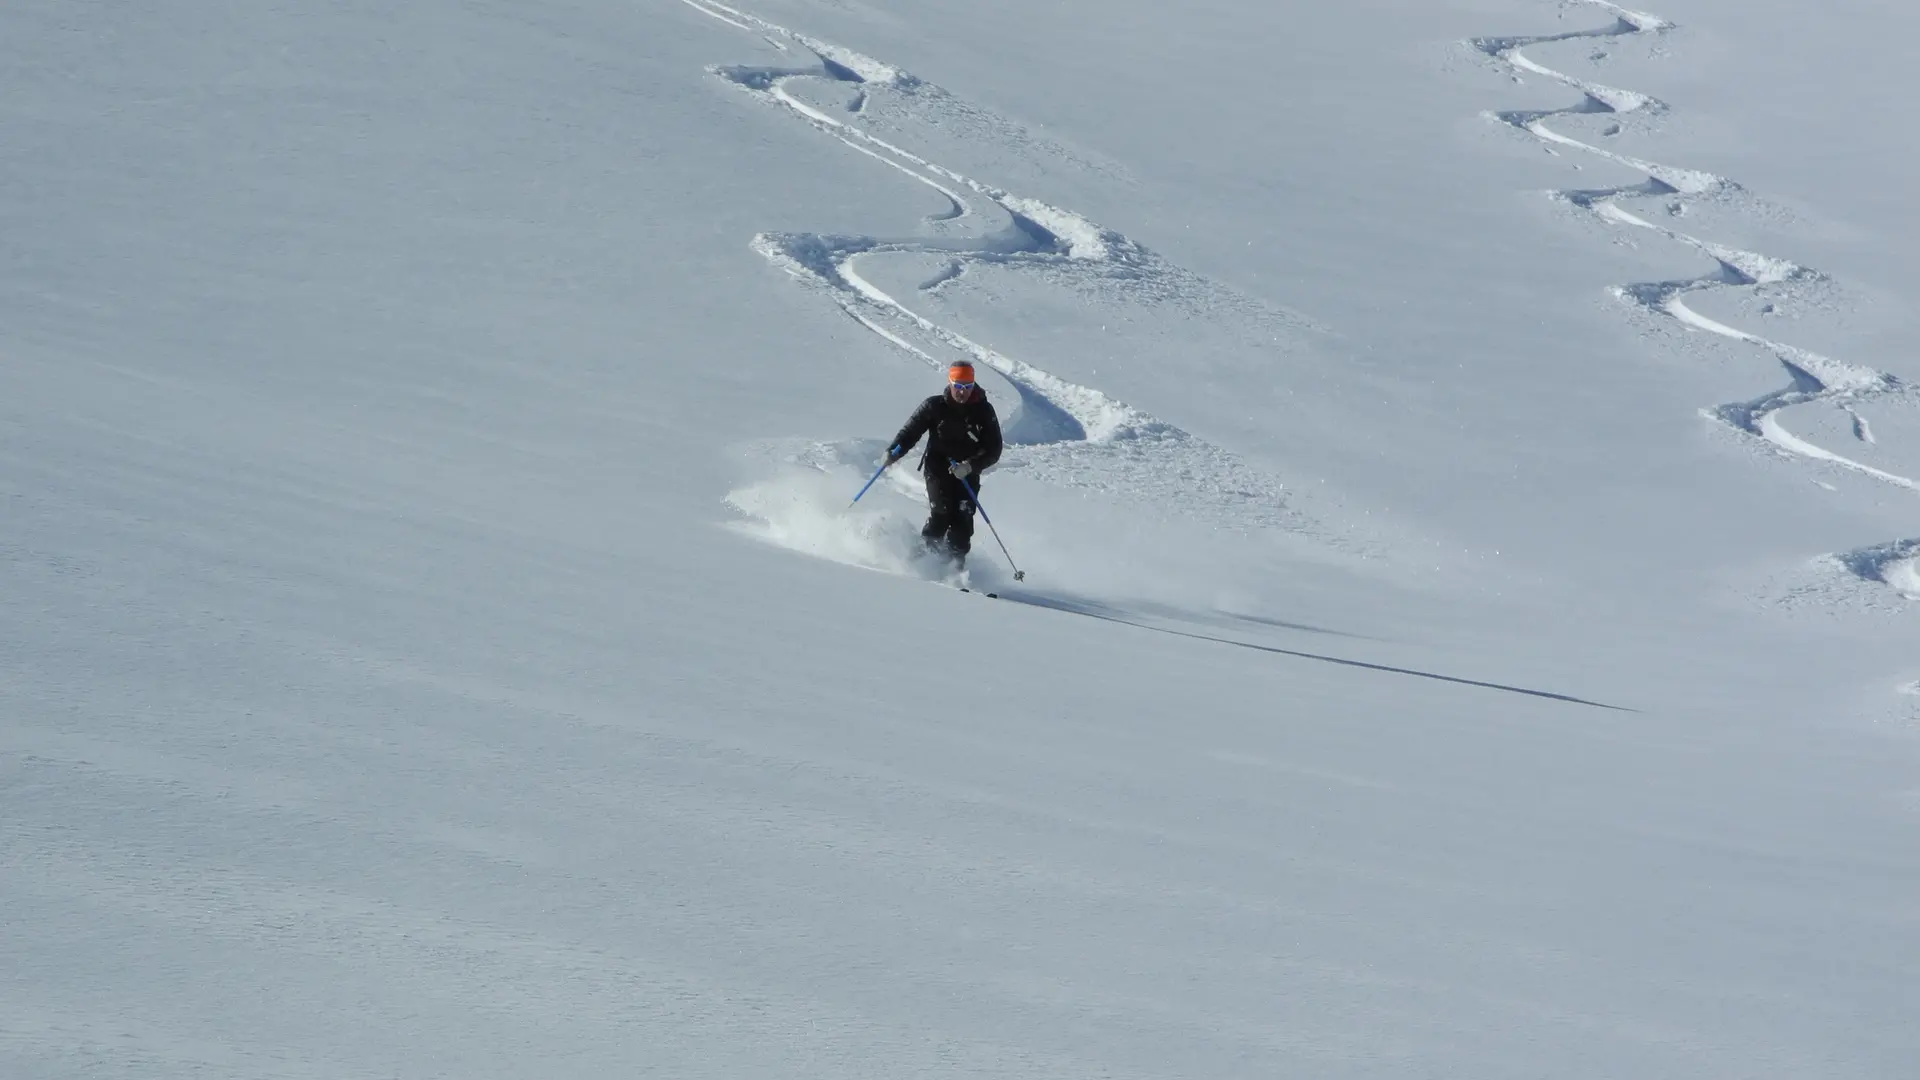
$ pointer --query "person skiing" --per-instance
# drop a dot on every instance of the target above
(963, 440)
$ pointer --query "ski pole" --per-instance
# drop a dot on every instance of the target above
(870, 480)
(1018, 574)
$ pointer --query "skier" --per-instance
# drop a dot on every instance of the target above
(963, 440)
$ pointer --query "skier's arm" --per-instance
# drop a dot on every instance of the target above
(916, 426)
(990, 444)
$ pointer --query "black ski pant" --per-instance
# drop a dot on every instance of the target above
(950, 512)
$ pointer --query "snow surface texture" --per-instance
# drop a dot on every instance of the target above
(1814, 379)
(1406, 682)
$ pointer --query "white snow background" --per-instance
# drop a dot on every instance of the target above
(1463, 461)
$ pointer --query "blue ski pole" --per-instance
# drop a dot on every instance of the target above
(1018, 574)
(871, 479)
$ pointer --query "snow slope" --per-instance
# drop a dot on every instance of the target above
(1463, 458)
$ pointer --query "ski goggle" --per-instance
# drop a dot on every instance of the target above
(963, 387)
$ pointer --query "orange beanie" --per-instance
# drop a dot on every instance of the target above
(960, 372)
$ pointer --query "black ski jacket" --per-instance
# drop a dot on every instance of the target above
(955, 431)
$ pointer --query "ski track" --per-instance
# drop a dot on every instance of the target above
(1813, 378)
(1059, 431)
(1896, 565)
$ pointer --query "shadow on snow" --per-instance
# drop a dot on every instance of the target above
(1095, 610)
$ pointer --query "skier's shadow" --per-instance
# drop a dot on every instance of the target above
(1083, 606)
(1094, 609)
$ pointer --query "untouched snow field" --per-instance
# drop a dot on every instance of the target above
(1464, 456)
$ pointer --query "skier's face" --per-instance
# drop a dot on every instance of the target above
(960, 391)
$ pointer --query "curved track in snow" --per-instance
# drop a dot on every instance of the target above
(1812, 378)
(1058, 431)
(1896, 565)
